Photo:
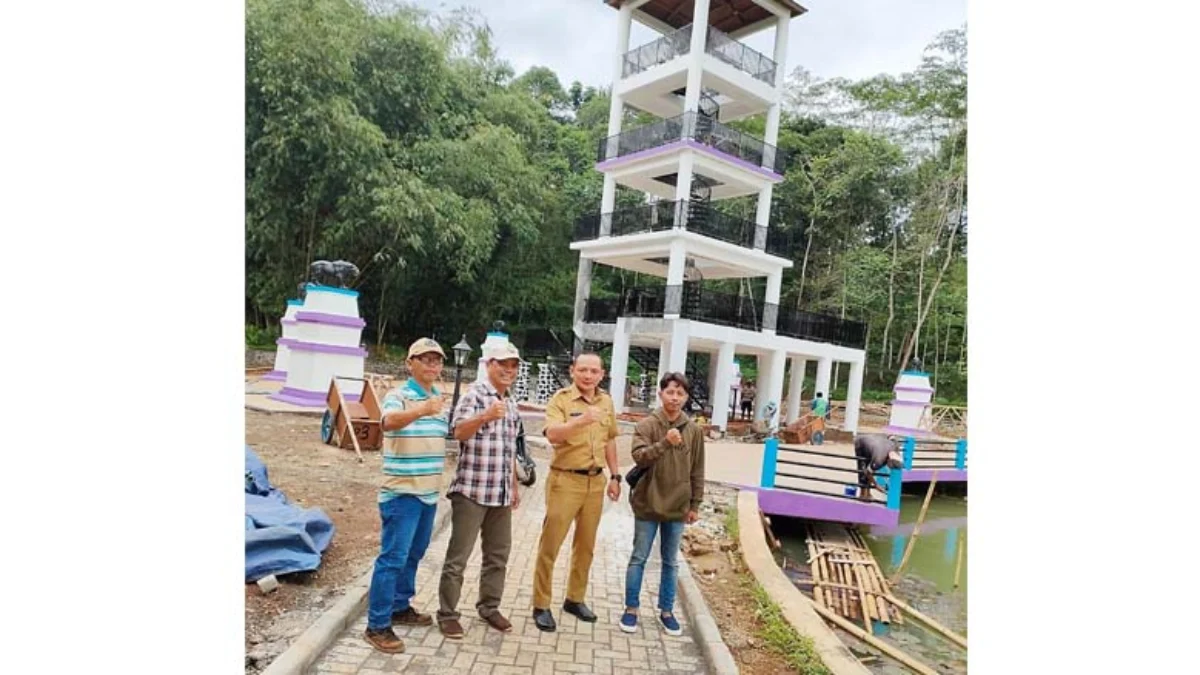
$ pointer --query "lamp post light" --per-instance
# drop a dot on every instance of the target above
(461, 351)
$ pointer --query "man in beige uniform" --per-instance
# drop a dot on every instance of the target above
(581, 424)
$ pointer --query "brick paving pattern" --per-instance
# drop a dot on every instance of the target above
(576, 647)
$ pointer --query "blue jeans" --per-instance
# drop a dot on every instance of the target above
(643, 541)
(407, 527)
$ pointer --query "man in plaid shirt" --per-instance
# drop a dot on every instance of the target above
(483, 492)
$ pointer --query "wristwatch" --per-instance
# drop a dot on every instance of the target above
(616, 476)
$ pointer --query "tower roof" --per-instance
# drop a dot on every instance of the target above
(726, 16)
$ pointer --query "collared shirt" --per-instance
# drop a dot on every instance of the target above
(413, 457)
(485, 462)
(583, 449)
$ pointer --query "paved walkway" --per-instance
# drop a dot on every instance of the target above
(576, 647)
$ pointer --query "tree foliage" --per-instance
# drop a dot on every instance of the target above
(399, 140)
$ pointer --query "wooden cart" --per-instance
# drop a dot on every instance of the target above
(352, 424)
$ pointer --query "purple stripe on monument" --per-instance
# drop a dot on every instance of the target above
(330, 319)
(280, 375)
(325, 349)
(303, 397)
(804, 505)
(900, 401)
(921, 390)
(675, 145)
(289, 322)
(943, 475)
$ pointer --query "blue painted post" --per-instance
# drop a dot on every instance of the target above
(898, 550)
(910, 447)
(770, 457)
(951, 547)
(960, 454)
(894, 478)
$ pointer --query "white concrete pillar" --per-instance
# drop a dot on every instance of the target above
(762, 217)
(583, 290)
(795, 388)
(771, 297)
(608, 200)
(722, 388)
(683, 187)
(675, 269)
(691, 98)
(853, 397)
(824, 370)
(770, 384)
(619, 364)
(677, 362)
(780, 54)
(664, 354)
(714, 362)
(624, 23)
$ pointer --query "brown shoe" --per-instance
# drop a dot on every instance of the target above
(411, 617)
(384, 640)
(498, 622)
(451, 628)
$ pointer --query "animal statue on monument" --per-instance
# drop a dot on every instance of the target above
(339, 272)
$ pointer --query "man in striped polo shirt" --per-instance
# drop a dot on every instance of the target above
(414, 456)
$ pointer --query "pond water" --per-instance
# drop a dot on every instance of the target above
(927, 584)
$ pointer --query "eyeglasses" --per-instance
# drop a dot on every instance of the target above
(430, 359)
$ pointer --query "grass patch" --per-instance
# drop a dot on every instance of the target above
(731, 522)
(783, 639)
(778, 635)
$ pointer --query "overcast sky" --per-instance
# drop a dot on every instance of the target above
(836, 38)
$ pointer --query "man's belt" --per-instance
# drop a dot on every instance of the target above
(582, 472)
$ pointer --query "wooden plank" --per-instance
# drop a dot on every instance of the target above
(858, 570)
(886, 648)
(818, 592)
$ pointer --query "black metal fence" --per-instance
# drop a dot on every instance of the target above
(666, 215)
(717, 44)
(847, 478)
(822, 328)
(696, 127)
(724, 48)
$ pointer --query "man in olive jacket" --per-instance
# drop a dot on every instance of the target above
(670, 446)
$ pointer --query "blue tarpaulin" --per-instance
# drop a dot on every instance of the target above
(280, 536)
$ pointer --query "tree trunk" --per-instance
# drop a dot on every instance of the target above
(804, 266)
(922, 313)
(381, 320)
(891, 304)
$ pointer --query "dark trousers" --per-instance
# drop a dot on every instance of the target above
(468, 521)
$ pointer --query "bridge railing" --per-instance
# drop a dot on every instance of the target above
(928, 454)
(798, 463)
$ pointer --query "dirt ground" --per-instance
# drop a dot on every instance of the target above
(724, 581)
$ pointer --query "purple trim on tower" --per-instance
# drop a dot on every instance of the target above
(280, 375)
(920, 390)
(901, 401)
(676, 145)
(805, 505)
(926, 475)
(303, 397)
(325, 349)
(330, 319)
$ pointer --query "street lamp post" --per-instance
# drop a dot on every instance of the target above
(461, 351)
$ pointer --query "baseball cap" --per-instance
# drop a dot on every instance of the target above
(424, 346)
(501, 352)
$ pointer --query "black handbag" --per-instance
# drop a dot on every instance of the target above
(635, 474)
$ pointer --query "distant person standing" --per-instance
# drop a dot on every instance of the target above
(748, 401)
(820, 408)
